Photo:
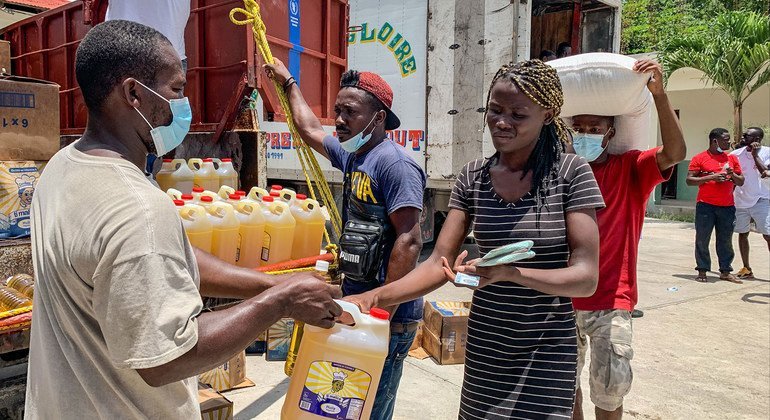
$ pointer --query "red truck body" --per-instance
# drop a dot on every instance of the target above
(223, 63)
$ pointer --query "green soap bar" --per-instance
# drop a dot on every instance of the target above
(506, 259)
(518, 247)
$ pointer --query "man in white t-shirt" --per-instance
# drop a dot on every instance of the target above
(118, 330)
(752, 199)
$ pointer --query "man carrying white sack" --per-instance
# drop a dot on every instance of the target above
(626, 181)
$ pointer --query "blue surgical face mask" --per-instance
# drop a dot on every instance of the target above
(588, 146)
(359, 140)
(168, 137)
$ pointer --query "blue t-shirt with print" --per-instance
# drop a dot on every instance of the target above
(384, 176)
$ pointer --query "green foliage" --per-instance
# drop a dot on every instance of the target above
(734, 53)
(646, 24)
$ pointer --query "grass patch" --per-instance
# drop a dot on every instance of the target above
(671, 217)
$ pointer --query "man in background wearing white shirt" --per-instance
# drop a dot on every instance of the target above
(752, 199)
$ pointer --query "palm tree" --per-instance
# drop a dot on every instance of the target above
(734, 53)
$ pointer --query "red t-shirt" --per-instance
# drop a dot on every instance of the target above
(712, 192)
(626, 182)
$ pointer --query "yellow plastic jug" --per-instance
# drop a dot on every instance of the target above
(174, 194)
(226, 237)
(227, 173)
(197, 225)
(23, 283)
(256, 193)
(12, 299)
(279, 232)
(163, 178)
(337, 370)
(249, 214)
(225, 191)
(233, 200)
(182, 177)
(309, 231)
(205, 174)
(199, 192)
(288, 196)
(206, 201)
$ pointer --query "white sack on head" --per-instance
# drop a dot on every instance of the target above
(606, 84)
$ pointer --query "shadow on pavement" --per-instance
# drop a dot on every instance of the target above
(713, 277)
(262, 403)
(764, 298)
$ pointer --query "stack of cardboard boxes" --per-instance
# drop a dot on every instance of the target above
(29, 136)
(445, 331)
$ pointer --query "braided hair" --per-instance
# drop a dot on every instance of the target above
(541, 84)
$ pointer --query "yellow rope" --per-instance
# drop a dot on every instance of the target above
(310, 166)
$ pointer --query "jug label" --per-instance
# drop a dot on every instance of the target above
(335, 391)
(266, 247)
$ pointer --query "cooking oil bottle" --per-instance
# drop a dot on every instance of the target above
(12, 299)
(197, 225)
(256, 194)
(226, 238)
(227, 173)
(279, 232)
(23, 283)
(163, 178)
(309, 233)
(322, 268)
(181, 177)
(174, 194)
(252, 230)
(225, 191)
(205, 174)
(287, 196)
(337, 370)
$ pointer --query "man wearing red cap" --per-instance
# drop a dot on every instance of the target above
(382, 201)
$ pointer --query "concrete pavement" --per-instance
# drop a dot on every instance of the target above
(702, 351)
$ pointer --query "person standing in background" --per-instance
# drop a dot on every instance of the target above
(752, 199)
(715, 173)
(564, 50)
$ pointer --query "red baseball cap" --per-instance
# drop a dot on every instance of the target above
(377, 86)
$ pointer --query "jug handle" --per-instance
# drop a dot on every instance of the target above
(174, 194)
(176, 163)
(309, 204)
(191, 164)
(225, 191)
(288, 195)
(352, 309)
(257, 193)
(243, 204)
(215, 207)
(217, 163)
(274, 206)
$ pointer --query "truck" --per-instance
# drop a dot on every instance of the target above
(439, 56)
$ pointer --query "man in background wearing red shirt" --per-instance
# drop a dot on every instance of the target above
(716, 174)
(626, 182)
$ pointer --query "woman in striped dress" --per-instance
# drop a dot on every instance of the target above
(521, 352)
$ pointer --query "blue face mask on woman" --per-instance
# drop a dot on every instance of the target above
(168, 137)
(589, 146)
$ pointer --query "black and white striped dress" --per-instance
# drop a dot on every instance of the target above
(521, 353)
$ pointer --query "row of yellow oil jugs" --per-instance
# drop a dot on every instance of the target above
(209, 174)
(252, 230)
(16, 292)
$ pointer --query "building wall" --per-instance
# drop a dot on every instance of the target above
(702, 108)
